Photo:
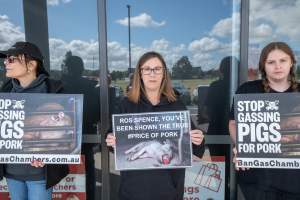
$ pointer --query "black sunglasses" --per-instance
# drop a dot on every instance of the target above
(10, 59)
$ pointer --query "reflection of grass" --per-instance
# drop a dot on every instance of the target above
(191, 84)
(121, 83)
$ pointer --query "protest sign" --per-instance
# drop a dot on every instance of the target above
(268, 130)
(152, 140)
(205, 179)
(72, 187)
(44, 127)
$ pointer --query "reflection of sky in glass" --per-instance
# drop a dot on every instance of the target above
(202, 30)
(172, 28)
(276, 20)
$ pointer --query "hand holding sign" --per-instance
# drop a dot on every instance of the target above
(37, 163)
(234, 161)
(110, 140)
(196, 136)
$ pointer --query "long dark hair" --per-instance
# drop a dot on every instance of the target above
(39, 66)
(262, 61)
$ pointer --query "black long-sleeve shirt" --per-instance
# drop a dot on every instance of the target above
(167, 184)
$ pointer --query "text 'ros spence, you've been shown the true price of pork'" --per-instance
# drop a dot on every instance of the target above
(152, 140)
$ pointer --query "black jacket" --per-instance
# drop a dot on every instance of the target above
(54, 173)
(164, 184)
(278, 180)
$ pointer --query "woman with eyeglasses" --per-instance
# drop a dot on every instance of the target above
(26, 74)
(152, 92)
(276, 65)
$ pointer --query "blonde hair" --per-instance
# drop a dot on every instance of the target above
(262, 60)
(137, 89)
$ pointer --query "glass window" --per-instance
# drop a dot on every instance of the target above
(11, 27)
(200, 49)
(74, 59)
(274, 21)
(69, 37)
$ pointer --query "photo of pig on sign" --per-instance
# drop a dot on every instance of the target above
(45, 127)
(152, 140)
(268, 130)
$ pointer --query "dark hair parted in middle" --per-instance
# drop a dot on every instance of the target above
(138, 88)
(262, 61)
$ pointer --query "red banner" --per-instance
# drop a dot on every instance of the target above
(71, 187)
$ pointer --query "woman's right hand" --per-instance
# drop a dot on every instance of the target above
(36, 163)
(110, 140)
(234, 161)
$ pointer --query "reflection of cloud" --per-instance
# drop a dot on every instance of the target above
(208, 51)
(275, 20)
(159, 45)
(224, 27)
(281, 16)
(204, 44)
(260, 33)
(57, 2)
(201, 57)
(58, 49)
(117, 56)
(88, 51)
(9, 33)
(142, 20)
(263, 30)
(253, 57)
(203, 52)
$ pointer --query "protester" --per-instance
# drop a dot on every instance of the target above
(152, 92)
(276, 65)
(26, 74)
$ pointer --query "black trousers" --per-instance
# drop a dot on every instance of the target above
(255, 192)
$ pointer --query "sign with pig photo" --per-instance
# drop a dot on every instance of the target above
(152, 140)
(268, 130)
(44, 127)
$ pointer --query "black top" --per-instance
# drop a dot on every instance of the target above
(167, 184)
(218, 107)
(26, 172)
(285, 180)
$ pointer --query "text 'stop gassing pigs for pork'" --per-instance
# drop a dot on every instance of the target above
(48, 126)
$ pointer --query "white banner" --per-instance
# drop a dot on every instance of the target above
(206, 179)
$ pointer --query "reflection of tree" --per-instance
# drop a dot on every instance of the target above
(63, 64)
(118, 75)
(182, 69)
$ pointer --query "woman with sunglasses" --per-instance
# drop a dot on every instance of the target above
(152, 92)
(276, 65)
(26, 74)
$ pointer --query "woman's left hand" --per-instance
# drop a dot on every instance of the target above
(196, 136)
(37, 163)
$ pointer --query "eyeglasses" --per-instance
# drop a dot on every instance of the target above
(155, 70)
(10, 59)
